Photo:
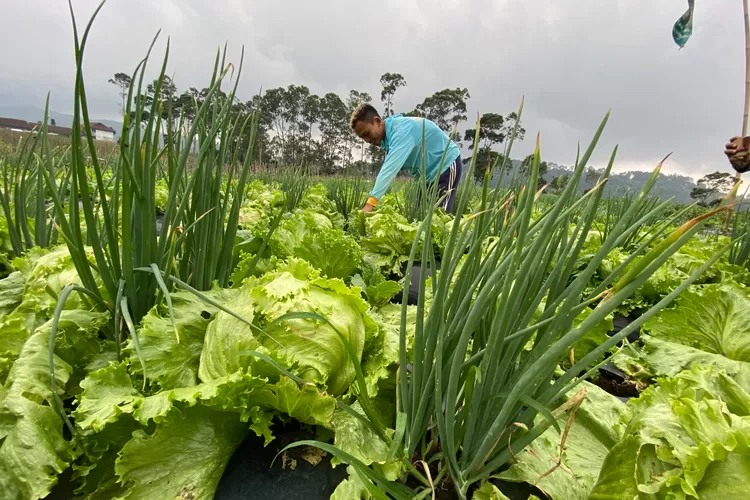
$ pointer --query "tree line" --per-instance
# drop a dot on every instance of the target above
(298, 127)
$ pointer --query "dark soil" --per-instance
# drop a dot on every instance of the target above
(616, 382)
(251, 475)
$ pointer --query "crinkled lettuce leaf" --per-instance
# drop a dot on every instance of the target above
(332, 251)
(357, 439)
(309, 234)
(110, 408)
(688, 438)
(183, 458)
(489, 491)
(659, 358)
(309, 348)
(595, 430)
(11, 292)
(109, 393)
(716, 320)
(33, 450)
(171, 363)
(294, 226)
(387, 239)
(378, 290)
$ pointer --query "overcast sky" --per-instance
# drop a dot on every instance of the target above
(571, 59)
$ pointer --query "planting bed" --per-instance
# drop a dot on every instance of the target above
(174, 324)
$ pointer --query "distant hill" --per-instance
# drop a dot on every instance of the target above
(34, 114)
(673, 186)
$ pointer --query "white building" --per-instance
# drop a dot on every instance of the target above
(102, 132)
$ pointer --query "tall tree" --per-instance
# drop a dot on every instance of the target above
(187, 103)
(712, 187)
(390, 82)
(560, 182)
(486, 158)
(296, 96)
(309, 116)
(526, 169)
(354, 99)
(261, 149)
(334, 129)
(447, 108)
(591, 175)
(122, 81)
(167, 99)
(493, 130)
(276, 106)
(509, 127)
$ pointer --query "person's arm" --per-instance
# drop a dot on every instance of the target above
(738, 154)
(401, 146)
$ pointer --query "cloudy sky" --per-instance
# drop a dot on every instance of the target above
(572, 60)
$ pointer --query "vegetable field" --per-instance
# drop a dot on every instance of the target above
(163, 303)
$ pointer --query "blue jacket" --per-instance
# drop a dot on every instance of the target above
(403, 147)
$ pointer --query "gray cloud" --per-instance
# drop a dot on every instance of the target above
(571, 59)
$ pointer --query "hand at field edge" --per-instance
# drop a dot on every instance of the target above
(737, 152)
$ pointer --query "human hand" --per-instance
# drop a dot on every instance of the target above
(367, 208)
(737, 152)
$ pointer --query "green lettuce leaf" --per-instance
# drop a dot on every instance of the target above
(161, 195)
(309, 348)
(183, 458)
(309, 234)
(388, 238)
(356, 439)
(11, 292)
(77, 340)
(378, 290)
(351, 488)
(292, 230)
(94, 470)
(15, 329)
(659, 358)
(717, 320)
(109, 393)
(170, 363)
(332, 251)
(33, 450)
(595, 430)
(29, 376)
(50, 273)
(489, 491)
(687, 438)
(381, 352)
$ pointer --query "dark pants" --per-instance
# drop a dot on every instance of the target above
(448, 184)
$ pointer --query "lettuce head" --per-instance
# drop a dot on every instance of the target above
(307, 346)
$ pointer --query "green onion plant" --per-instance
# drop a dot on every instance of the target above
(206, 190)
(500, 320)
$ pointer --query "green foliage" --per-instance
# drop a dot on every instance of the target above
(595, 428)
(686, 438)
(312, 351)
(390, 82)
(519, 310)
(712, 187)
(447, 108)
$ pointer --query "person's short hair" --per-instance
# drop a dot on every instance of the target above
(364, 112)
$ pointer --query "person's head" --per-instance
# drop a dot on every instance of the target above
(368, 125)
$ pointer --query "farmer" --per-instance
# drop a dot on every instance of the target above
(737, 152)
(401, 139)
